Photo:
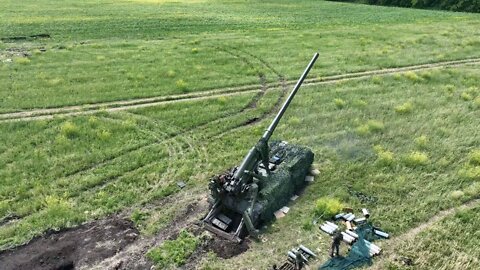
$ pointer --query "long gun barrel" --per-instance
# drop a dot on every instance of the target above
(252, 157)
(273, 125)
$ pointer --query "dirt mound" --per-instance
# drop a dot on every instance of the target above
(226, 249)
(221, 247)
(72, 248)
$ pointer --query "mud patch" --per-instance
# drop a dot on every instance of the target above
(9, 218)
(25, 38)
(72, 248)
(251, 121)
(226, 249)
(7, 55)
(210, 243)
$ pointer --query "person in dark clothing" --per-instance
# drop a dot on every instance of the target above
(336, 240)
(299, 261)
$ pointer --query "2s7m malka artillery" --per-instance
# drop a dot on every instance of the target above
(270, 174)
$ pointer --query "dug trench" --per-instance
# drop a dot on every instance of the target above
(189, 218)
(114, 243)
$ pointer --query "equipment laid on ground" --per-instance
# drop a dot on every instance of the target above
(350, 235)
(359, 236)
(268, 177)
(301, 255)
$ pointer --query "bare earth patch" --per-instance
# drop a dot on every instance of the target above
(72, 248)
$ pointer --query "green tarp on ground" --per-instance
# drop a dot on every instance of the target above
(359, 253)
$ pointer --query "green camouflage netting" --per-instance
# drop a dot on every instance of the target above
(358, 255)
(286, 180)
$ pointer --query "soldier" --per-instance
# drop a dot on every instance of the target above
(299, 262)
(336, 240)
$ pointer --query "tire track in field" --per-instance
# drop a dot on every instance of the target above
(189, 135)
(284, 84)
(170, 171)
(37, 114)
(170, 138)
(171, 144)
(86, 108)
(392, 244)
(133, 256)
(263, 80)
(102, 181)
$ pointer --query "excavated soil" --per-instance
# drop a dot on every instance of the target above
(226, 249)
(72, 248)
(221, 247)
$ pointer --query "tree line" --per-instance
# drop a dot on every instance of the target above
(452, 5)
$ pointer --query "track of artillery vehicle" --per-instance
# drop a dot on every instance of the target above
(270, 174)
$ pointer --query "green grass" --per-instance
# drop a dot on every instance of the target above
(327, 207)
(105, 51)
(174, 253)
(403, 146)
(77, 178)
(96, 173)
(402, 194)
(450, 244)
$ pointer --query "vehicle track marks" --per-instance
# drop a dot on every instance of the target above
(37, 114)
(389, 250)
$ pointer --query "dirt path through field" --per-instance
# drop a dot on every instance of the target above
(38, 114)
(133, 256)
(391, 245)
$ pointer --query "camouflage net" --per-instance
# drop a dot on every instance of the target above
(358, 255)
(286, 180)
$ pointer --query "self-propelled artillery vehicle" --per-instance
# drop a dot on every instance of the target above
(270, 174)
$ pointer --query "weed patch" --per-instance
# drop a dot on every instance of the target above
(416, 158)
(405, 108)
(69, 130)
(377, 79)
(174, 253)
(93, 121)
(470, 172)
(294, 121)
(327, 207)
(474, 157)
(466, 96)
(449, 88)
(21, 60)
(104, 135)
(54, 81)
(370, 126)
(360, 103)
(182, 85)
(171, 73)
(412, 76)
(421, 142)
(339, 103)
(457, 194)
(476, 102)
(473, 190)
(384, 157)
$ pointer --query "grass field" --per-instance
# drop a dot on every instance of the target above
(409, 142)
(104, 51)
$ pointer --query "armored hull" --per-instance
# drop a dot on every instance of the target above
(289, 165)
(268, 176)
